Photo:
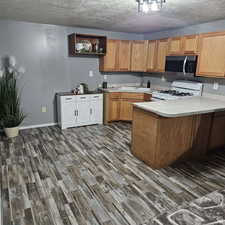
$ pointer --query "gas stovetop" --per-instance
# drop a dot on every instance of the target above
(176, 93)
(179, 89)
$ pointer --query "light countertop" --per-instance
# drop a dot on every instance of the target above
(129, 90)
(183, 107)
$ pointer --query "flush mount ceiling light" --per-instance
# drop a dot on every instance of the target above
(144, 6)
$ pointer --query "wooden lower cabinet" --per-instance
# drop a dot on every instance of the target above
(114, 109)
(217, 137)
(161, 141)
(126, 109)
(119, 106)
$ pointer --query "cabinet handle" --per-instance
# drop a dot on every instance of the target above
(96, 96)
(82, 97)
(91, 111)
(75, 112)
(68, 98)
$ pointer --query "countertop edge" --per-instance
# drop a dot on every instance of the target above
(177, 115)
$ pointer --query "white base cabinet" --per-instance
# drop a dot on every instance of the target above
(79, 110)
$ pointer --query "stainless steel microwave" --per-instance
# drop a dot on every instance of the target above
(182, 64)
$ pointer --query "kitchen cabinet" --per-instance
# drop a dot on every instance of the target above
(161, 141)
(217, 137)
(211, 61)
(96, 109)
(114, 110)
(67, 117)
(108, 62)
(124, 54)
(118, 105)
(79, 110)
(138, 56)
(161, 55)
(190, 44)
(151, 56)
(82, 106)
(78, 39)
(175, 46)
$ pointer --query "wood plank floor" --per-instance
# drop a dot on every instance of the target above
(87, 176)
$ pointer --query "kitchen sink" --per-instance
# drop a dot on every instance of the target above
(143, 89)
(127, 88)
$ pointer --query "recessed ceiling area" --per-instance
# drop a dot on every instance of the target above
(115, 15)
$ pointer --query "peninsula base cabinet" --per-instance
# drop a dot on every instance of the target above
(79, 110)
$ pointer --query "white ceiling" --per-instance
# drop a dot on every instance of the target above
(117, 15)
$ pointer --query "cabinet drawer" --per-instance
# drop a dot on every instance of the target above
(138, 96)
(67, 99)
(96, 97)
(115, 95)
(81, 98)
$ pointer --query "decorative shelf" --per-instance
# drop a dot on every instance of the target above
(86, 44)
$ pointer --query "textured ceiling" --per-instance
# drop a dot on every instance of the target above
(117, 15)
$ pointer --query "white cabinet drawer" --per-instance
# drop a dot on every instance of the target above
(96, 97)
(66, 99)
(81, 98)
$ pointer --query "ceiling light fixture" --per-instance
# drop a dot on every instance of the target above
(144, 6)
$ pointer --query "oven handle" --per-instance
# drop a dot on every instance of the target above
(184, 65)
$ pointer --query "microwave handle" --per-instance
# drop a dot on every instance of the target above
(184, 65)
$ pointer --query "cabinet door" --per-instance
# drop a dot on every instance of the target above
(139, 56)
(124, 54)
(161, 55)
(109, 61)
(217, 138)
(175, 46)
(211, 60)
(126, 109)
(114, 109)
(96, 111)
(190, 44)
(152, 53)
(83, 113)
(68, 116)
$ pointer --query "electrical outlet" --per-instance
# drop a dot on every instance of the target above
(163, 79)
(91, 74)
(44, 109)
(105, 77)
(216, 86)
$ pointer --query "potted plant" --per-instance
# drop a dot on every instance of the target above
(11, 115)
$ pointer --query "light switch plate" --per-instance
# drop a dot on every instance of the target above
(91, 74)
(105, 77)
(216, 86)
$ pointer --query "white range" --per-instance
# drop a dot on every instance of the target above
(179, 89)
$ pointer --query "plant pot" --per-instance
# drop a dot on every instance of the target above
(11, 132)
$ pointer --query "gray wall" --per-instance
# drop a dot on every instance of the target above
(42, 50)
(195, 29)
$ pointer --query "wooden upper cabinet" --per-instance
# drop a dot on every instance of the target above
(161, 55)
(211, 60)
(124, 54)
(151, 56)
(175, 46)
(109, 61)
(138, 56)
(190, 44)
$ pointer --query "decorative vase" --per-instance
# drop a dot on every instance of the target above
(11, 132)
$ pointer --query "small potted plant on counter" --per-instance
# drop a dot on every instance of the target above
(11, 114)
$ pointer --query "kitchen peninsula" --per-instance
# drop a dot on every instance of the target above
(167, 131)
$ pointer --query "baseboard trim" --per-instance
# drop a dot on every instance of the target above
(38, 126)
